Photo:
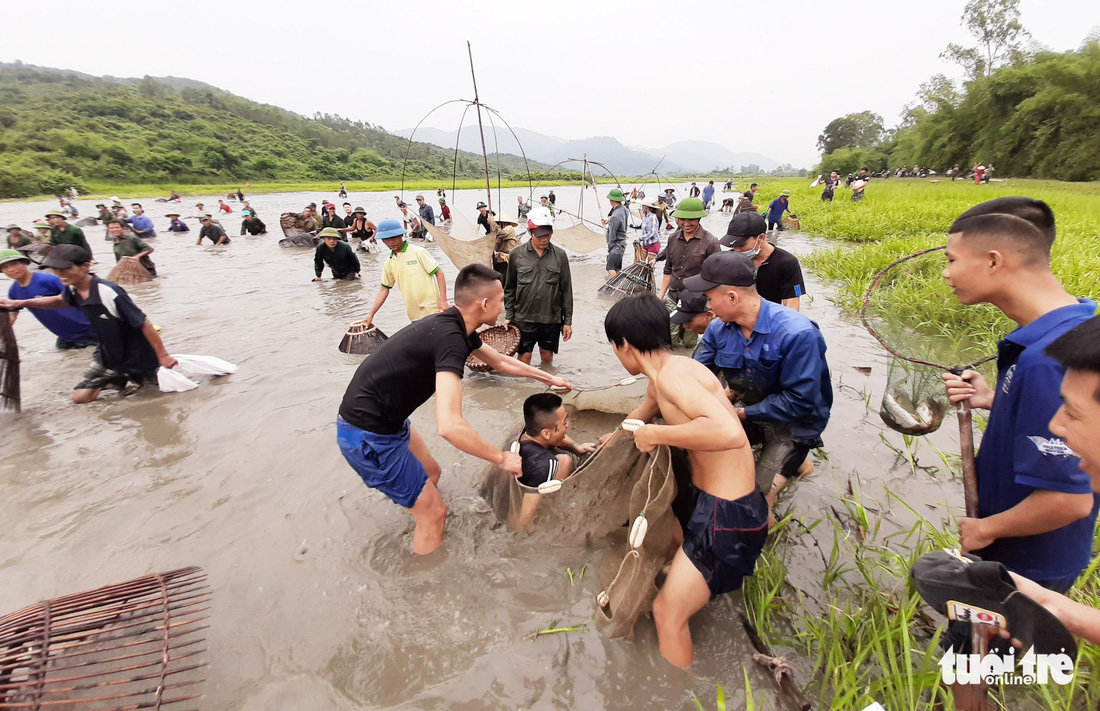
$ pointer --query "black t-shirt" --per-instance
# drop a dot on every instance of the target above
(400, 377)
(117, 322)
(780, 277)
(539, 463)
(483, 220)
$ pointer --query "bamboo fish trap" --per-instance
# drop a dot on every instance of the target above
(362, 339)
(129, 271)
(502, 339)
(132, 645)
(635, 279)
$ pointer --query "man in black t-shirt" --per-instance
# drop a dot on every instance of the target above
(778, 273)
(129, 350)
(425, 358)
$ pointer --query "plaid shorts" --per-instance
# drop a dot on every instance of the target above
(99, 377)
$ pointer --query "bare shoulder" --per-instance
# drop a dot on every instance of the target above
(679, 370)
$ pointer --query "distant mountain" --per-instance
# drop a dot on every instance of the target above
(618, 158)
(704, 156)
(172, 131)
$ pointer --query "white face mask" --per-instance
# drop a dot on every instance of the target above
(754, 252)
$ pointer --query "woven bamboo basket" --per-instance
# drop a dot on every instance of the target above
(362, 339)
(502, 339)
(791, 223)
(129, 271)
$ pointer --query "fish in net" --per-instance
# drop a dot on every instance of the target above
(9, 365)
(362, 339)
(502, 339)
(911, 312)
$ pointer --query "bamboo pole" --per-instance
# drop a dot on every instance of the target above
(481, 129)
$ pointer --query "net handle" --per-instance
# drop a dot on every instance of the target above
(871, 329)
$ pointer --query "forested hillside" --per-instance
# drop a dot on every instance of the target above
(60, 128)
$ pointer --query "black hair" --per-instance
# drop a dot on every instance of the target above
(1079, 349)
(471, 280)
(136, 204)
(640, 320)
(754, 185)
(1004, 230)
(539, 413)
(347, 203)
(1034, 211)
(108, 223)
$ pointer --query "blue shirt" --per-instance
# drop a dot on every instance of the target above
(780, 371)
(178, 226)
(427, 214)
(776, 209)
(1019, 454)
(708, 193)
(142, 225)
(67, 323)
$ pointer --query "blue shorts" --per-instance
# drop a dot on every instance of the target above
(723, 538)
(383, 462)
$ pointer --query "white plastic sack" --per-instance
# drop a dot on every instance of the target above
(172, 382)
(203, 366)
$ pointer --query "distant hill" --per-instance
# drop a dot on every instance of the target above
(699, 157)
(705, 156)
(60, 128)
(620, 159)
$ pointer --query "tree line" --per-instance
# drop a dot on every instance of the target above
(1031, 113)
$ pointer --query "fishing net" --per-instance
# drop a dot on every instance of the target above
(649, 545)
(579, 239)
(9, 365)
(593, 501)
(911, 311)
(293, 227)
(462, 243)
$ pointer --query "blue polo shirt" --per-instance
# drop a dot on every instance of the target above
(776, 209)
(67, 322)
(142, 224)
(780, 370)
(1019, 454)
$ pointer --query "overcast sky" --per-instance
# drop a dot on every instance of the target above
(762, 77)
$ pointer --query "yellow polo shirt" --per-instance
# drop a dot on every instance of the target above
(412, 270)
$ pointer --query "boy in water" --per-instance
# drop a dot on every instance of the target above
(543, 447)
(729, 522)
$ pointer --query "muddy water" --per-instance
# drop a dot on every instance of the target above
(317, 602)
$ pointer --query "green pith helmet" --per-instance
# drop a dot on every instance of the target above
(785, 193)
(690, 209)
(616, 195)
(359, 211)
(55, 213)
(329, 232)
(10, 255)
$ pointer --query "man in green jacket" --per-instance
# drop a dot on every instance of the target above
(130, 246)
(538, 293)
(61, 232)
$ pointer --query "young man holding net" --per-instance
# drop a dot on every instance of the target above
(728, 525)
(1037, 509)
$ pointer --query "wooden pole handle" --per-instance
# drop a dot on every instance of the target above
(969, 467)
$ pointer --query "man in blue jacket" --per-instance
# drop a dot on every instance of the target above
(773, 359)
(140, 223)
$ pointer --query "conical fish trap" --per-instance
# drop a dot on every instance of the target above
(129, 271)
(294, 229)
(132, 645)
(362, 339)
(502, 339)
(635, 279)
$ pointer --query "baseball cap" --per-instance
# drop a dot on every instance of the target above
(690, 305)
(723, 268)
(966, 588)
(64, 256)
(743, 227)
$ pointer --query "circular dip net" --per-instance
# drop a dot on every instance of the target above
(911, 311)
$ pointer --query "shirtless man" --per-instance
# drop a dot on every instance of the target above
(729, 523)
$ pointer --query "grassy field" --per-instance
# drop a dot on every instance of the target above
(866, 631)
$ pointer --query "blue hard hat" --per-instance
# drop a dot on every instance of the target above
(390, 228)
